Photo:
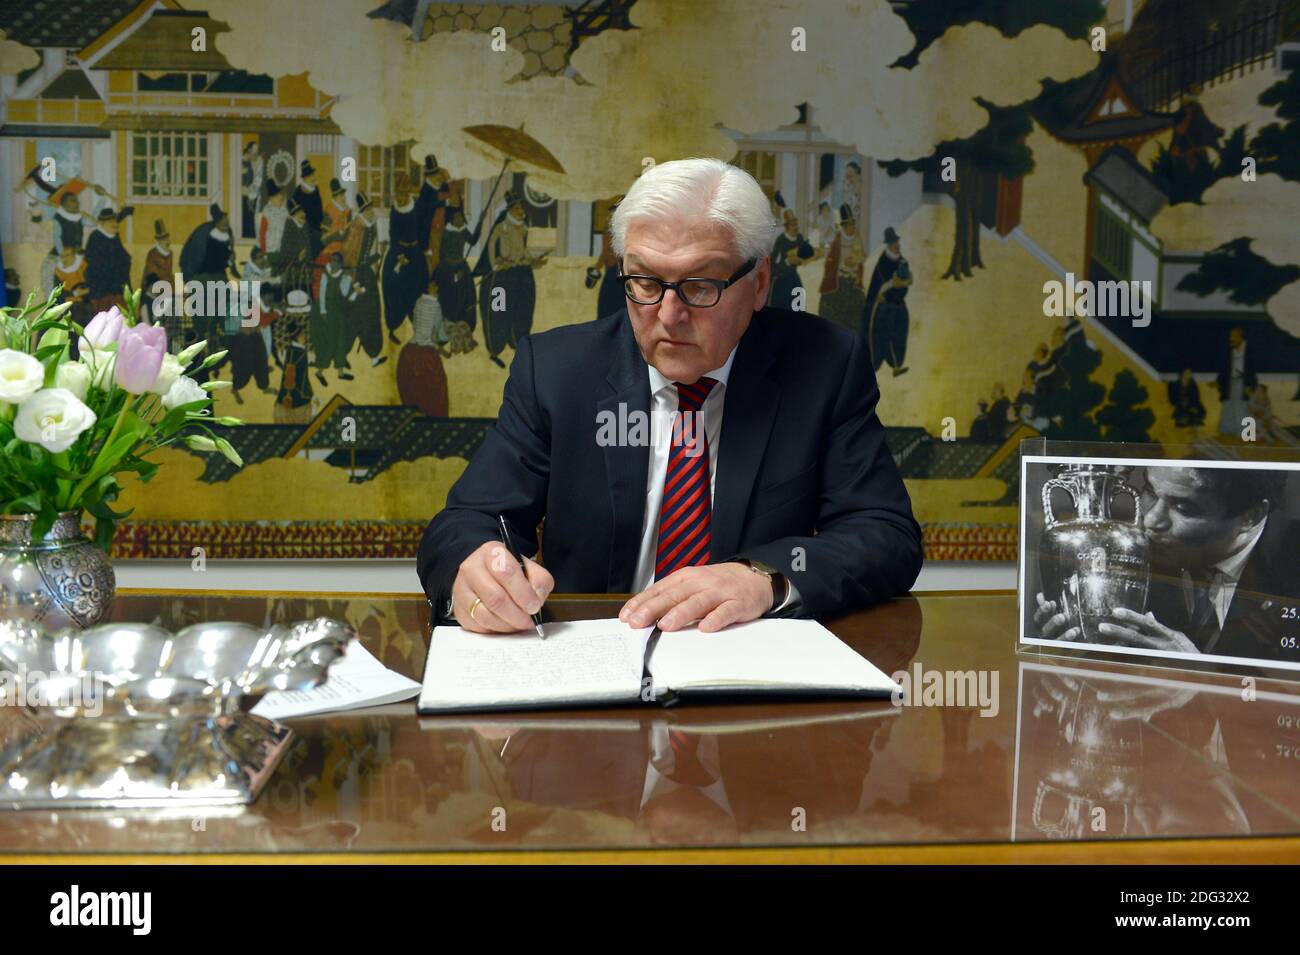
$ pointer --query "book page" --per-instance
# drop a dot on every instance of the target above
(584, 661)
(355, 680)
(772, 654)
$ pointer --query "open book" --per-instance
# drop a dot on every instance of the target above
(606, 662)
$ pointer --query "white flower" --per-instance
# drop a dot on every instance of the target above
(53, 418)
(167, 375)
(182, 392)
(101, 364)
(187, 355)
(75, 377)
(21, 376)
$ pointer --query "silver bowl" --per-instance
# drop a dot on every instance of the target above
(127, 714)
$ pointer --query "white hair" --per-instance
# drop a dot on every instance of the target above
(684, 190)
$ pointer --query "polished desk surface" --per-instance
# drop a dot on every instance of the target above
(1097, 760)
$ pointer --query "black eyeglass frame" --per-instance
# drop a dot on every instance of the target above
(720, 284)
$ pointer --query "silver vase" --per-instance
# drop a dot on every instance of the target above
(61, 580)
(1092, 564)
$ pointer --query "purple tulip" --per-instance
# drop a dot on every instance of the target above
(140, 352)
(105, 328)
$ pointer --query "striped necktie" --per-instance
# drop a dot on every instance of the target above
(684, 515)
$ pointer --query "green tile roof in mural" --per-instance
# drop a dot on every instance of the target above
(61, 23)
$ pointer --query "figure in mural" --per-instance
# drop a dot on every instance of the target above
(406, 273)
(272, 219)
(248, 358)
(1185, 396)
(435, 193)
(331, 324)
(209, 256)
(71, 274)
(253, 184)
(308, 197)
(337, 218)
(158, 266)
(360, 255)
(108, 264)
(1195, 134)
(842, 297)
(258, 269)
(1236, 381)
(508, 292)
(291, 262)
(453, 277)
(995, 419)
(790, 251)
(610, 298)
(293, 400)
(421, 379)
(886, 319)
(1268, 426)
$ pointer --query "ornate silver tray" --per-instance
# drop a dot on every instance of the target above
(128, 715)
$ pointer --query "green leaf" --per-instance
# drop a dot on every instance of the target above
(27, 504)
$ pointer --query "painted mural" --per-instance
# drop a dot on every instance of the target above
(1071, 220)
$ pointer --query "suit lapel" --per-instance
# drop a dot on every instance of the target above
(751, 400)
(626, 465)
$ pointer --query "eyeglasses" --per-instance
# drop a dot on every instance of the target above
(695, 292)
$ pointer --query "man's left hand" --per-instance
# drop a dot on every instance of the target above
(717, 595)
(1139, 630)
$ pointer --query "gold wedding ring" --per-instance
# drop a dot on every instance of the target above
(474, 606)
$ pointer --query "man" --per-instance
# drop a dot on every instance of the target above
(158, 265)
(308, 197)
(790, 251)
(360, 255)
(1236, 380)
(207, 257)
(291, 260)
(885, 317)
(842, 296)
(453, 277)
(795, 507)
(330, 324)
(252, 186)
(1223, 566)
(108, 264)
(508, 292)
(272, 219)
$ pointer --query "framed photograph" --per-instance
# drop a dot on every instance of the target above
(1179, 560)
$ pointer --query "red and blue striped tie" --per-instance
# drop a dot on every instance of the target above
(684, 515)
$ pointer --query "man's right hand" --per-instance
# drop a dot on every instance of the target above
(491, 584)
(1052, 623)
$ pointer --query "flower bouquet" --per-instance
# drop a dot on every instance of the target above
(81, 406)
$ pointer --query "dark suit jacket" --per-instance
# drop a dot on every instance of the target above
(1254, 626)
(802, 464)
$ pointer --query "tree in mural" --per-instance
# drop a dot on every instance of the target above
(1246, 277)
(998, 149)
(1123, 418)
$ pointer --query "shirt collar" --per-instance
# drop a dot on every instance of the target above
(658, 382)
(1232, 567)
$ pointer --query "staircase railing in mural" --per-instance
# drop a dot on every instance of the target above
(1230, 48)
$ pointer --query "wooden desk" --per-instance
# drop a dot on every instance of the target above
(1174, 766)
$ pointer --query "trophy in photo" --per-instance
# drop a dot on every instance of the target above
(1092, 563)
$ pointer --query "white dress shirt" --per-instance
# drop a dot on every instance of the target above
(663, 409)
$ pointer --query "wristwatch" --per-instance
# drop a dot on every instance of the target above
(780, 586)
